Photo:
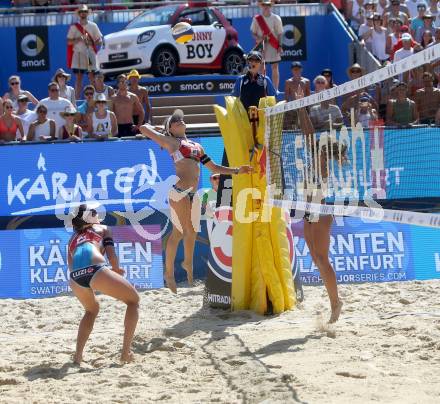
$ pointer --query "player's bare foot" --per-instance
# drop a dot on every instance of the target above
(127, 357)
(336, 312)
(189, 272)
(77, 359)
(171, 282)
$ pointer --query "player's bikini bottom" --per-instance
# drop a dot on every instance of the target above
(84, 276)
(189, 194)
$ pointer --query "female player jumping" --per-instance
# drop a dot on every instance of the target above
(89, 272)
(186, 155)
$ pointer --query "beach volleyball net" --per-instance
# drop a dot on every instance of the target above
(360, 149)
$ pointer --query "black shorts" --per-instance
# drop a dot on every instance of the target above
(83, 276)
(125, 129)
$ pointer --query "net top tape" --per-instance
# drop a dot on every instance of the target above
(428, 55)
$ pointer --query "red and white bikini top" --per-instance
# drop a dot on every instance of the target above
(187, 150)
(86, 236)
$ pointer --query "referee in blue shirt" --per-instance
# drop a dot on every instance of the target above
(249, 87)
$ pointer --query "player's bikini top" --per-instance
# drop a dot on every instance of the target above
(188, 150)
(86, 236)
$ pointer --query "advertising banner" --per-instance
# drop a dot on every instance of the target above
(190, 85)
(294, 39)
(34, 261)
(126, 176)
(362, 252)
(32, 49)
(381, 160)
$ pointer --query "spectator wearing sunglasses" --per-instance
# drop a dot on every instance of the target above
(102, 123)
(324, 114)
(87, 107)
(351, 100)
(328, 74)
(15, 90)
(67, 92)
(42, 128)
(395, 11)
(25, 115)
(55, 105)
(70, 130)
(414, 7)
(417, 22)
(428, 26)
(379, 39)
(10, 124)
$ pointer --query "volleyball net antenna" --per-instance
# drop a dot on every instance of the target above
(367, 148)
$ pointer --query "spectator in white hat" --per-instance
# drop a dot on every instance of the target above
(70, 130)
(102, 123)
(67, 92)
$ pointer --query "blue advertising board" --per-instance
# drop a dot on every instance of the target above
(123, 175)
(400, 162)
(33, 262)
(373, 252)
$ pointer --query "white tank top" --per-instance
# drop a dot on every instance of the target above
(105, 92)
(42, 129)
(379, 44)
(102, 126)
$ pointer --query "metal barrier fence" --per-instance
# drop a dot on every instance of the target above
(26, 18)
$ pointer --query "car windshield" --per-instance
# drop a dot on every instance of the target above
(151, 18)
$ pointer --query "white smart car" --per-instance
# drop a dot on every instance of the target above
(147, 45)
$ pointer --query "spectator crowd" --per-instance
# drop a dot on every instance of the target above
(391, 30)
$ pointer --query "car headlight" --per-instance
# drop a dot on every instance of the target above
(145, 37)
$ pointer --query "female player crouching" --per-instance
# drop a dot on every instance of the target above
(89, 272)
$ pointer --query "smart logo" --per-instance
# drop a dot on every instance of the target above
(32, 49)
(32, 45)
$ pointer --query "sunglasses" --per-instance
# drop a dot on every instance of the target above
(54, 90)
(100, 102)
(355, 71)
(215, 178)
(26, 100)
(15, 83)
(9, 107)
(69, 114)
(88, 94)
(42, 111)
(320, 82)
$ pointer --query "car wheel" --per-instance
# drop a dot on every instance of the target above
(164, 62)
(233, 62)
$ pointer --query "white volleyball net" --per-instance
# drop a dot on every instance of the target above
(367, 148)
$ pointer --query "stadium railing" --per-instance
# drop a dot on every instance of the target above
(65, 15)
